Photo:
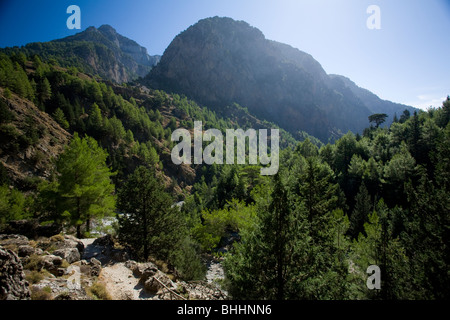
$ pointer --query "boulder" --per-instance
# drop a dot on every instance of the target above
(105, 241)
(70, 254)
(13, 240)
(139, 268)
(95, 267)
(156, 281)
(51, 262)
(12, 278)
(58, 242)
(27, 250)
(73, 242)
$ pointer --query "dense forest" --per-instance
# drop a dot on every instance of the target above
(309, 232)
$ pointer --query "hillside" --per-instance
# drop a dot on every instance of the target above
(218, 61)
(101, 52)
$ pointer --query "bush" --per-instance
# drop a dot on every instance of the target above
(187, 261)
(34, 277)
(98, 292)
(41, 294)
(34, 263)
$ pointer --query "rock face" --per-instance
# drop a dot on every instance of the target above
(219, 61)
(101, 51)
(12, 279)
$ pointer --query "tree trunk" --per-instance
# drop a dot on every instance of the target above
(144, 229)
(88, 224)
(78, 216)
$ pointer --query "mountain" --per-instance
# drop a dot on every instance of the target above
(372, 101)
(219, 61)
(102, 52)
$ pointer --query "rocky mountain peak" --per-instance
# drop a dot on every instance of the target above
(220, 61)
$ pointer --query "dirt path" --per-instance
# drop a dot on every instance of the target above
(122, 284)
(119, 281)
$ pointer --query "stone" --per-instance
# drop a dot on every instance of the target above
(95, 267)
(51, 262)
(70, 254)
(105, 241)
(13, 285)
(139, 268)
(27, 250)
(13, 240)
(152, 286)
(156, 281)
(73, 242)
(147, 273)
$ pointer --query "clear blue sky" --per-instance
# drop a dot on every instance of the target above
(407, 60)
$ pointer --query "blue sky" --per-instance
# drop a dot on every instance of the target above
(406, 61)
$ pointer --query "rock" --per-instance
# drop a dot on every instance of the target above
(147, 273)
(61, 242)
(61, 271)
(51, 262)
(22, 227)
(70, 254)
(72, 242)
(139, 268)
(27, 250)
(12, 278)
(96, 267)
(74, 280)
(119, 255)
(152, 286)
(132, 265)
(156, 282)
(105, 241)
(13, 240)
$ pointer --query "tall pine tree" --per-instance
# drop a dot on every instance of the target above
(85, 182)
(149, 222)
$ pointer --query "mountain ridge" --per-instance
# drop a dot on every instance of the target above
(219, 61)
(98, 51)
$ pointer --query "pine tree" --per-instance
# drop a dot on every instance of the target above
(360, 214)
(59, 117)
(85, 182)
(149, 222)
(44, 90)
(318, 193)
(263, 265)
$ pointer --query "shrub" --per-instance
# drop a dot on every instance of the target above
(41, 294)
(34, 277)
(34, 263)
(98, 292)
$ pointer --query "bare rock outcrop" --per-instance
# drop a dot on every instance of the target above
(13, 285)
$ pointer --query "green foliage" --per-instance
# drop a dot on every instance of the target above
(5, 114)
(13, 204)
(378, 118)
(85, 182)
(280, 258)
(236, 216)
(59, 117)
(151, 225)
(98, 291)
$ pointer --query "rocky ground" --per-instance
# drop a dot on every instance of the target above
(63, 267)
